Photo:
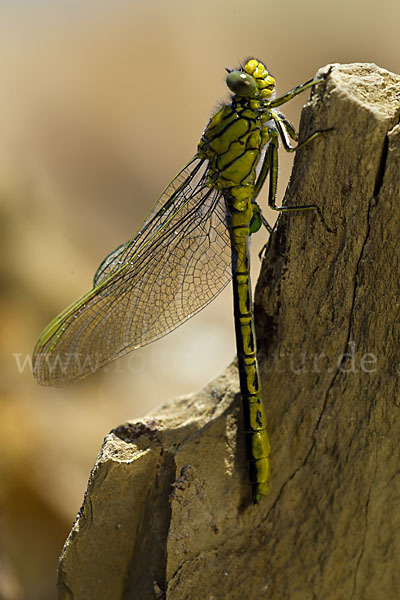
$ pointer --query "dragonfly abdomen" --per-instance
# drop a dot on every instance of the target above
(255, 422)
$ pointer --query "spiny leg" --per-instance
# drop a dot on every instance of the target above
(263, 172)
(273, 181)
(270, 162)
(270, 230)
(286, 130)
(288, 126)
(295, 91)
(259, 183)
(267, 226)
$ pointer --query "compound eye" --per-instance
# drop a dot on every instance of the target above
(241, 83)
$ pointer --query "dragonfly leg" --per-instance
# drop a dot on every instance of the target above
(265, 167)
(290, 128)
(270, 229)
(286, 130)
(267, 226)
(273, 180)
(297, 90)
(259, 183)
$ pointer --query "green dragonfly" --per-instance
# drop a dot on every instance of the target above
(192, 243)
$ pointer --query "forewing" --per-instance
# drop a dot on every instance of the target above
(175, 265)
(173, 198)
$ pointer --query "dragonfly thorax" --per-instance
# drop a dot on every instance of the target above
(235, 137)
(233, 142)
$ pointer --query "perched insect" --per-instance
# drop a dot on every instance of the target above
(191, 244)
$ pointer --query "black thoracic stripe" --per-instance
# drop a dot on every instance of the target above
(227, 126)
(236, 157)
(234, 227)
(235, 160)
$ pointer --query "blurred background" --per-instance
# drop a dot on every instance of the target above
(101, 103)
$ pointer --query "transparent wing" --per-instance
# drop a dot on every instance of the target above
(175, 265)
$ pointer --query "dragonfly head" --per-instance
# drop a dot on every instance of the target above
(251, 81)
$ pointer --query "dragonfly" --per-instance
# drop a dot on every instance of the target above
(191, 244)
